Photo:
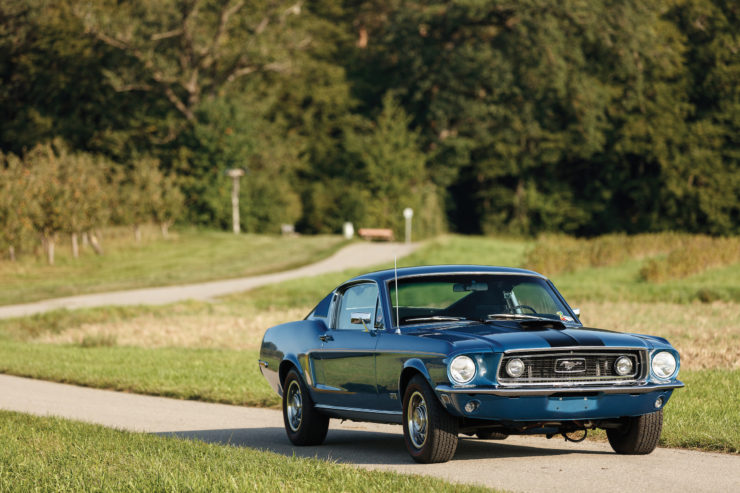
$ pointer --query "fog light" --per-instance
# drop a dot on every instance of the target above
(471, 406)
(623, 366)
(658, 402)
(515, 368)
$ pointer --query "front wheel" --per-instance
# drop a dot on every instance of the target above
(303, 423)
(638, 436)
(429, 431)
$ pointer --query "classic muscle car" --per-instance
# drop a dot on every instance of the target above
(474, 350)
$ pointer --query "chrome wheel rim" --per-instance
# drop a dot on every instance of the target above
(294, 405)
(417, 419)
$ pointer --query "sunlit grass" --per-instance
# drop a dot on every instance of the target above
(187, 256)
(51, 454)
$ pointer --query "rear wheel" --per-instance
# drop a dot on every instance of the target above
(638, 436)
(303, 423)
(429, 431)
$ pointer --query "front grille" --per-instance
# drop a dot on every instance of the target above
(574, 366)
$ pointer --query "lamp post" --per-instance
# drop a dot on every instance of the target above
(235, 174)
(408, 213)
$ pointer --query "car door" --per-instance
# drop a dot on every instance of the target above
(344, 367)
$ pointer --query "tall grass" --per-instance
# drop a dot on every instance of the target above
(693, 257)
(554, 254)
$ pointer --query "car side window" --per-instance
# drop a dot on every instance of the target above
(357, 299)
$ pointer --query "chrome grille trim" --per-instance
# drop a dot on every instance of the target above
(599, 370)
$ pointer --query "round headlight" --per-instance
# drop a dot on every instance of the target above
(515, 368)
(623, 366)
(462, 369)
(664, 364)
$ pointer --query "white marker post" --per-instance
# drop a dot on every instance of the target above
(408, 213)
(235, 174)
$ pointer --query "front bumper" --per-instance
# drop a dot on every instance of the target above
(555, 403)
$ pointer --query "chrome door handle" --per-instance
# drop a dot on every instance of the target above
(325, 338)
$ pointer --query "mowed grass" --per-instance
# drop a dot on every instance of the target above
(703, 415)
(208, 351)
(213, 375)
(51, 454)
(184, 257)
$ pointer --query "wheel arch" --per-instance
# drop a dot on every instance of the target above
(411, 368)
(285, 366)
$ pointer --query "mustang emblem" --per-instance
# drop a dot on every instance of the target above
(570, 365)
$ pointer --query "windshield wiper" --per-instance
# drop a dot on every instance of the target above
(434, 318)
(515, 316)
(524, 320)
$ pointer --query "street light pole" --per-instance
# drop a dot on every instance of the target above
(235, 174)
(408, 213)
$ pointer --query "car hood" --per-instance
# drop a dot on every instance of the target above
(510, 335)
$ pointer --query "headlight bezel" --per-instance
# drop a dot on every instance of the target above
(454, 370)
(655, 358)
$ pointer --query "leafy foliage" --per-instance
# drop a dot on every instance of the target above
(528, 117)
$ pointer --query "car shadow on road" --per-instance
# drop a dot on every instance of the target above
(365, 447)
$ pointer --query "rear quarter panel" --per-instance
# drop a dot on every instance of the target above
(289, 343)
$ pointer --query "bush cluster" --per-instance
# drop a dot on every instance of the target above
(695, 256)
(51, 191)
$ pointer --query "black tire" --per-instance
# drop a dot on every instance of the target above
(491, 435)
(638, 436)
(303, 423)
(429, 431)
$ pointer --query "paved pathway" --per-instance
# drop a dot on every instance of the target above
(355, 255)
(515, 464)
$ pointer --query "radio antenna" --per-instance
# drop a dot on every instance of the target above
(395, 272)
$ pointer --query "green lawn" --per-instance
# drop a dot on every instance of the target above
(703, 415)
(187, 256)
(51, 454)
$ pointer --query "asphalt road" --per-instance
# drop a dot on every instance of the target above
(355, 255)
(515, 464)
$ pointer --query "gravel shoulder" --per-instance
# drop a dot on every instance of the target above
(516, 464)
(355, 255)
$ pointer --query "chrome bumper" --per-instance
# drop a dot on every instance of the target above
(581, 389)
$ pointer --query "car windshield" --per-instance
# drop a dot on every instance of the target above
(455, 297)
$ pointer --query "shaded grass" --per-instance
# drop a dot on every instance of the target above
(189, 256)
(51, 454)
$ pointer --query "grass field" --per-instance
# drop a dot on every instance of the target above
(49, 454)
(183, 257)
(198, 350)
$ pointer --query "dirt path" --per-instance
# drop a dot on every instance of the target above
(356, 255)
(515, 464)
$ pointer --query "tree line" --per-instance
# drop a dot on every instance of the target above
(483, 116)
(52, 191)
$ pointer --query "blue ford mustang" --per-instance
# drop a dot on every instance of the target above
(477, 350)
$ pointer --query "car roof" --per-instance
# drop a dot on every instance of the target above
(385, 275)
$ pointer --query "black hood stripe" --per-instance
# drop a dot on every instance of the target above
(555, 338)
(585, 338)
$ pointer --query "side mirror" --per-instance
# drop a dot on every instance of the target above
(577, 311)
(360, 318)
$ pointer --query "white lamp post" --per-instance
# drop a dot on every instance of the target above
(408, 213)
(235, 174)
